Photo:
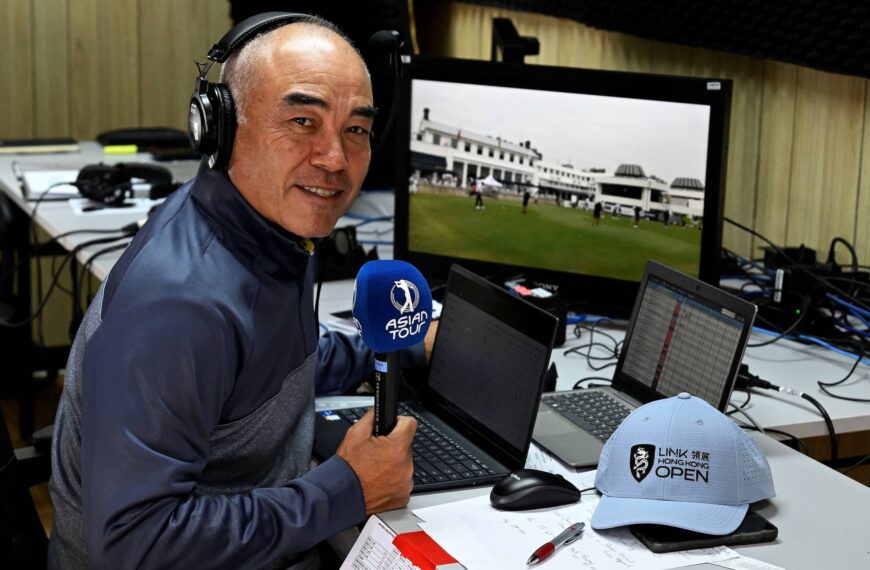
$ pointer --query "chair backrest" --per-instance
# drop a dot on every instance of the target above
(22, 538)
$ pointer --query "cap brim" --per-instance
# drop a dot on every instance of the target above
(699, 517)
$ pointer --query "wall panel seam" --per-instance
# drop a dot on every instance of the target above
(861, 160)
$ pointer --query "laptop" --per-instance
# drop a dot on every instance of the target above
(683, 336)
(477, 411)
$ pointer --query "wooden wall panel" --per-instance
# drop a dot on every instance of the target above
(776, 142)
(742, 171)
(581, 46)
(826, 160)
(104, 74)
(16, 69)
(862, 213)
(627, 53)
(219, 21)
(52, 96)
(470, 32)
(172, 34)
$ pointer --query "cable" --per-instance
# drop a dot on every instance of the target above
(796, 264)
(855, 466)
(34, 240)
(612, 352)
(832, 257)
(85, 266)
(746, 415)
(745, 379)
(55, 279)
(825, 385)
(577, 384)
(744, 404)
(814, 340)
(791, 327)
(799, 443)
(848, 305)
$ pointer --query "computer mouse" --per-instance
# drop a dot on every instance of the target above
(525, 489)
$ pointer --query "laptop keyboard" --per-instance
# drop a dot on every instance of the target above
(437, 457)
(596, 412)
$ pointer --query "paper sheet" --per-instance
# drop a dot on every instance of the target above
(483, 538)
(746, 563)
(543, 461)
(374, 550)
(37, 182)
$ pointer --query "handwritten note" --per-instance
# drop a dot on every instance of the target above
(374, 550)
(481, 537)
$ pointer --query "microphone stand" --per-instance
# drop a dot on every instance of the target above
(386, 392)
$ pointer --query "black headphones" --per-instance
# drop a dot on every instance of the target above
(211, 123)
(110, 184)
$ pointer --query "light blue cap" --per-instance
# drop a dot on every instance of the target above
(680, 462)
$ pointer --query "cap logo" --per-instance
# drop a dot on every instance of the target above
(411, 296)
(642, 457)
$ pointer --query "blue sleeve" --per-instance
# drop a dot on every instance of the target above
(155, 379)
(345, 361)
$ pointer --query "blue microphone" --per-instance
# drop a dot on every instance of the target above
(392, 309)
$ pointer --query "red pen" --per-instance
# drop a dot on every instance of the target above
(565, 538)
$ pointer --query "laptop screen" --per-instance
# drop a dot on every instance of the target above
(489, 360)
(686, 337)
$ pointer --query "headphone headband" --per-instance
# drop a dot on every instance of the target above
(211, 123)
(246, 29)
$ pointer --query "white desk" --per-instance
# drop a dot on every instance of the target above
(784, 363)
(58, 217)
(822, 516)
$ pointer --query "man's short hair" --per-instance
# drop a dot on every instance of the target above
(240, 70)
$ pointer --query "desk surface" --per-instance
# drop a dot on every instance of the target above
(785, 363)
(823, 517)
(58, 217)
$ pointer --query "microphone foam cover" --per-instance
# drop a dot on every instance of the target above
(392, 305)
(384, 42)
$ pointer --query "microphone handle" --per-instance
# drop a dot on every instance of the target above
(386, 392)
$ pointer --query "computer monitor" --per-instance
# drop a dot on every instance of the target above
(571, 178)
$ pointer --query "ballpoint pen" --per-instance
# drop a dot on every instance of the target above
(565, 538)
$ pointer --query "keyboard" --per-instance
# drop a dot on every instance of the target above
(596, 412)
(437, 457)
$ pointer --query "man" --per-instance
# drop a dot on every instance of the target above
(596, 214)
(526, 196)
(183, 438)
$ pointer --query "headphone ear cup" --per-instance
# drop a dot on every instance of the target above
(226, 124)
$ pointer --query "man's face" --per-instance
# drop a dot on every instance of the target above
(302, 154)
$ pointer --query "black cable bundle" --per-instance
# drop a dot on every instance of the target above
(833, 308)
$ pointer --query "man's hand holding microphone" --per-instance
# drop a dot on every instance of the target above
(392, 308)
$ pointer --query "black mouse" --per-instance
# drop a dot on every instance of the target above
(532, 489)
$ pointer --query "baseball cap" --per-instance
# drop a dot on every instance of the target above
(680, 462)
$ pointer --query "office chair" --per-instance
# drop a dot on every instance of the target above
(22, 539)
